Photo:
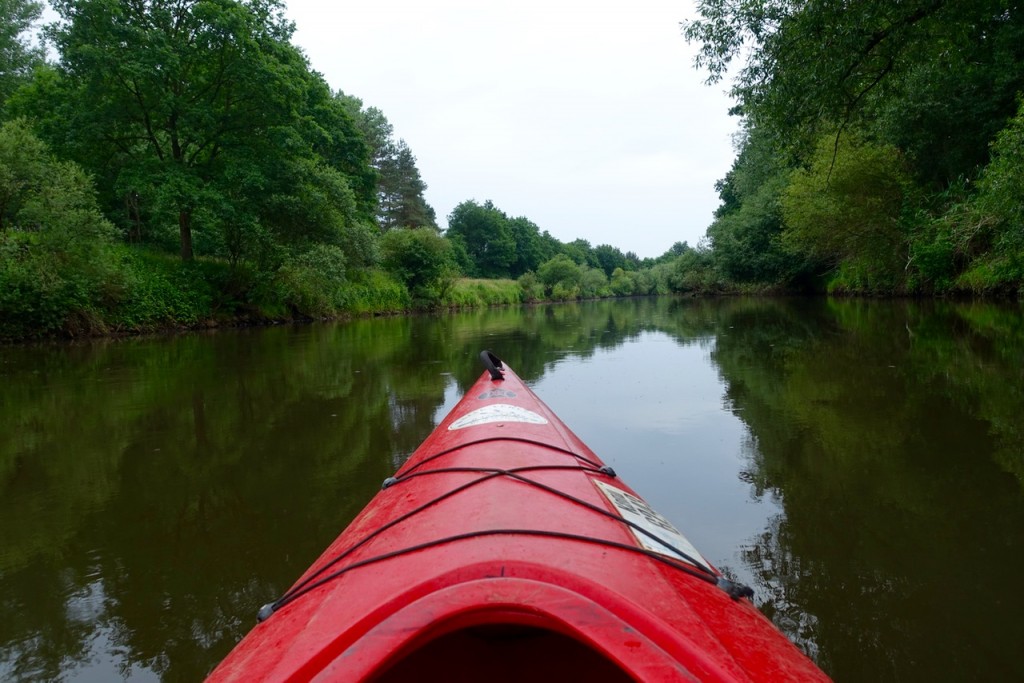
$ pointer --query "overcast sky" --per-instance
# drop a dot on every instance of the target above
(588, 119)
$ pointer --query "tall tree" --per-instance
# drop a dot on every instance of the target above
(17, 55)
(531, 248)
(482, 231)
(164, 90)
(814, 67)
(402, 204)
(609, 258)
(400, 188)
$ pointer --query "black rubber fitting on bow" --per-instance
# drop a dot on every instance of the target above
(735, 589)
(493, 364)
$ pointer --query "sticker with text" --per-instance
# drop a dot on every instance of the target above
(638, 512)
(496, 393)
(497, 412)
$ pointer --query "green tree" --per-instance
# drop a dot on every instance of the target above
(847, 209)
(56, 262)
(560, 273)
(935, 77)
(989, 226)
(24, 165)
(402, 204)
(593, 283)
(159, 95)
(421, 259)
(531, 249)
(1001, 188)
(580, 251)
(483, 231)
(609, 258)
(623, 283)
(745, 233)
(17, 55)
(399, 186)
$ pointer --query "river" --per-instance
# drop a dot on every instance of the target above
(859, 463)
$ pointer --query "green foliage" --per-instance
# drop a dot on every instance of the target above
(475, 293)
(809, 64)
(593, 283)
(745, 234)
(56, 258)
(847, 209)
(581, 253)
(399, 187)
(609, 258)
(531, 247)
(24, 165)
(18, 56)
(311, 282)
(623, 283)
(531, 286)
(563, 291)
(483, 233)
(693, 271)
(904, 99)
(400, 195)
(158, 291)
(746, 240)
(1001, 188)
(560, 270)
(420, 258)
(375, 292)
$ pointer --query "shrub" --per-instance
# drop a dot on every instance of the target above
(622, 283)
(593, 282)
(420, 258)
(560, 270)
(310, 283)
(531, 287)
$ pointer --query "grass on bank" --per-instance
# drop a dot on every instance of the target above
(472, 293)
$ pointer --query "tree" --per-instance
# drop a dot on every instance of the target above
(812, 67)
(23, 167)
(531, 250)
(483, 231)
(17, 56)
(162, 92)
(421, 259)
(847, 209)
(56, 262)
(580, 251)
(560, 271)
(745, 233)
(401, 189)
(609, 258)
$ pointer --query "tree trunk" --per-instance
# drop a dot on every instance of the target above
(185, 228)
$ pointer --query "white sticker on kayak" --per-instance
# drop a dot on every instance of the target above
(644, 516)
(497, 412)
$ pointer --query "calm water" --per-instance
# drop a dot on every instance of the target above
(861, 464)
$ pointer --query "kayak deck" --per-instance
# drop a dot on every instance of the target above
(504, 549)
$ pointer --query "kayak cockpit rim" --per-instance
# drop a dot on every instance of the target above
(520, 624)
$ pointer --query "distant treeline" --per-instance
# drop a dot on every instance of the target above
(181, 164)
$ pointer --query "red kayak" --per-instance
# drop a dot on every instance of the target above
(505, 550)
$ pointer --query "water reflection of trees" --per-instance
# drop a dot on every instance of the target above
(158, 491)
(885, 433)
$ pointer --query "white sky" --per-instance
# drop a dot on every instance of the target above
(588, 119)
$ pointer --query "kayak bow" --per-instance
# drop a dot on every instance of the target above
(505, 550)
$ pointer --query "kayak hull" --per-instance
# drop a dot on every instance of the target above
(502, 542)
